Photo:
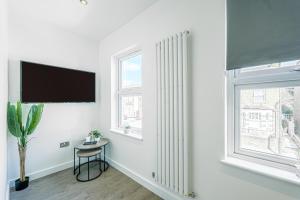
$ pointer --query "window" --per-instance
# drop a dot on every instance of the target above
(259, 96)
(128, 96)
(131, 111)
(264, 114)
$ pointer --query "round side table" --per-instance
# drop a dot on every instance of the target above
(101, 144)
(88, 154)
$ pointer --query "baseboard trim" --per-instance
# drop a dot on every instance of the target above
(45, 172)
(152, 186)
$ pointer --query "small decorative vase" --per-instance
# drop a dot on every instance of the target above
(88, 139)
(97, 139)
(92, 138)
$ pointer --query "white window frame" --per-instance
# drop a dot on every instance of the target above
(118, 92)
(237, 80)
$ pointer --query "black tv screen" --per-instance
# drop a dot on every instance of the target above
(49, 84)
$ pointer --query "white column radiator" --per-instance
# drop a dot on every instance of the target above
(172, 117)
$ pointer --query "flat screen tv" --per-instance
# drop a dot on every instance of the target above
(48, 84)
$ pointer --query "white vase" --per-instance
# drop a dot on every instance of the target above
(88, 139)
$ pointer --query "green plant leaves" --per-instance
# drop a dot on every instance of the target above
(95, 133)
(33, 118)
(19, 115)
(13, 122)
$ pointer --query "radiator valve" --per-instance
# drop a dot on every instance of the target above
(192, 195)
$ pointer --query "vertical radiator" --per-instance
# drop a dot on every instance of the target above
(172, 117)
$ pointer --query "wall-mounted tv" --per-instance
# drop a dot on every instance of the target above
(49, 84)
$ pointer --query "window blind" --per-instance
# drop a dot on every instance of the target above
(262, 32)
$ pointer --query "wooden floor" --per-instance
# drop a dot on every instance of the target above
(111, 185)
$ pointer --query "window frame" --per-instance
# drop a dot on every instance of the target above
(123, 92)
(236, 80)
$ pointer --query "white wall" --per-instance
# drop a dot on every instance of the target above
(211, 179)
(47, 44)
(3, 98)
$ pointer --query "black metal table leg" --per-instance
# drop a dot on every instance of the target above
(100, 161)
(104, 160)
(88, 168)
(79, 166)
(74, 167)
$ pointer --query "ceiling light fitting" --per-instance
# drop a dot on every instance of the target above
(84, 2)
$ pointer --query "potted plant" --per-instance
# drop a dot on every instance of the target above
(95, 135)
(126, 129)
(22, 131)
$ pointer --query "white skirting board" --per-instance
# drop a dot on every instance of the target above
(45, 172)
(152, 186)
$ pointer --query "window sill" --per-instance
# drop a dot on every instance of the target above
(263, 170)
(130, 135)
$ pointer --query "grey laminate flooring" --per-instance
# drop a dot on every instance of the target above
(111, 185)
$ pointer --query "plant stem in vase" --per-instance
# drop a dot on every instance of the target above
(22, 156)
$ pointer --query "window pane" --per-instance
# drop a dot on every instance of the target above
(259, 96)
(270, 120)
(131, 72)
(131, 111)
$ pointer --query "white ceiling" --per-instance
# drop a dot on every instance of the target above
(96, 20)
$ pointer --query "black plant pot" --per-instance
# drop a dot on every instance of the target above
(21, 185)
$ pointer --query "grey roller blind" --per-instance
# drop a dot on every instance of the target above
(262, 32)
